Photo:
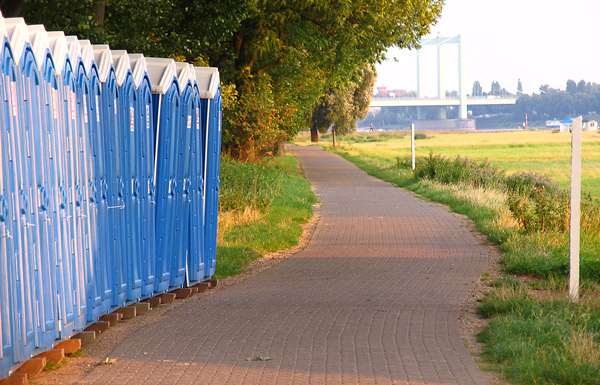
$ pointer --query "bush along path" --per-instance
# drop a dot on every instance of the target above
(373, 298)
(535, 336)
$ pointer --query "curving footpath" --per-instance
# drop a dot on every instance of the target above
(372, 299)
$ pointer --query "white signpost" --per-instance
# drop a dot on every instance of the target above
(412, 143)
(575, 209)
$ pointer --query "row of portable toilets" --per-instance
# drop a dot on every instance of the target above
(109, 179)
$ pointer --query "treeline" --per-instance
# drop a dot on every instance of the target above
(279, 59)
(582, 98)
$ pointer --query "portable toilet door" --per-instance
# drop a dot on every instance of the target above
(71, 268)
(24, 319)
(8, 112)
(213, 169)
(196, 231)
(100, 298)
(114, 170)
(83, 160)
(49, 288)
(128, 106)
(145, 150)
(210, 92)
(179, 268)
(166, 103)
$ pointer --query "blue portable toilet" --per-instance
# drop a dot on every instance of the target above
(83, 161)
(166, 104)
(196, 233)
(72, 267)
(210, 94)
(49, 277)
(114, 169)
(145, 169)
(24, 319)
(100, 297)
(8, 79)
(128, 125)
(179, 269)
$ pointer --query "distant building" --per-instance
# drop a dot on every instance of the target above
(565, 125)
(591, 125)
(383, 92)
(552, 123)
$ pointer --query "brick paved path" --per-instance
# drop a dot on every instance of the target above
(373, 299)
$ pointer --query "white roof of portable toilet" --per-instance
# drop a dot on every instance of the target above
(16, 31)
(87, 54)
(38, 37)
(185, 73)
(57, 42)
(121, 64)
(139, 67)
(208, 80)
(103, 59)
(73, 49)
(161, 72)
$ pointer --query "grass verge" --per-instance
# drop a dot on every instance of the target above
(261, 208)
(535, 336)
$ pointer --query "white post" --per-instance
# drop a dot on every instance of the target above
(462, 89)
(412, 143)
(575, 209)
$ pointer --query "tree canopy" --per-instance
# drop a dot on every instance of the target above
(277, 58)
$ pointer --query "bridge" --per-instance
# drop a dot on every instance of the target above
(463, 100)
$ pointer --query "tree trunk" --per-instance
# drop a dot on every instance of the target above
(333, 136)
(314, 134)
(99, 10)
(14, 8)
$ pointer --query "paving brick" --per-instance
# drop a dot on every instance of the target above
(98, 327)
(127, 312)
(202, 286)
(111, 318)
(86, 337)
(69, 346)
(154, 301)
(184, 292)
(372, 299)
(32, 366)
(15, 379)
(166, 297)
(141, 307)
(53, 356)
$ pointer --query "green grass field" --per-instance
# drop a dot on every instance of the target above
(537, 151)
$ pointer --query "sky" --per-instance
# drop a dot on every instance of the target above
(537, 41)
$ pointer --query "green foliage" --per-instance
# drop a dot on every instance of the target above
(253, 125)
(541, 341)
(248, 185)
(283, 198)
(459, 170)
(420, 135)
(281, 55)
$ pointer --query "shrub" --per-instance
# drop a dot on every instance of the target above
(420, 135)
(460, 170)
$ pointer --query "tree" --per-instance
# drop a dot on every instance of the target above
(341, 108)
(288, 54)
(495, 89)
(571, 86)
(581, 86)
(477, 89)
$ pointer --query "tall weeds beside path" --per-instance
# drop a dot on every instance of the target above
(261, 208)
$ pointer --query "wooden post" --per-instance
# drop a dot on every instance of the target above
(412, 143)
(574, 229)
